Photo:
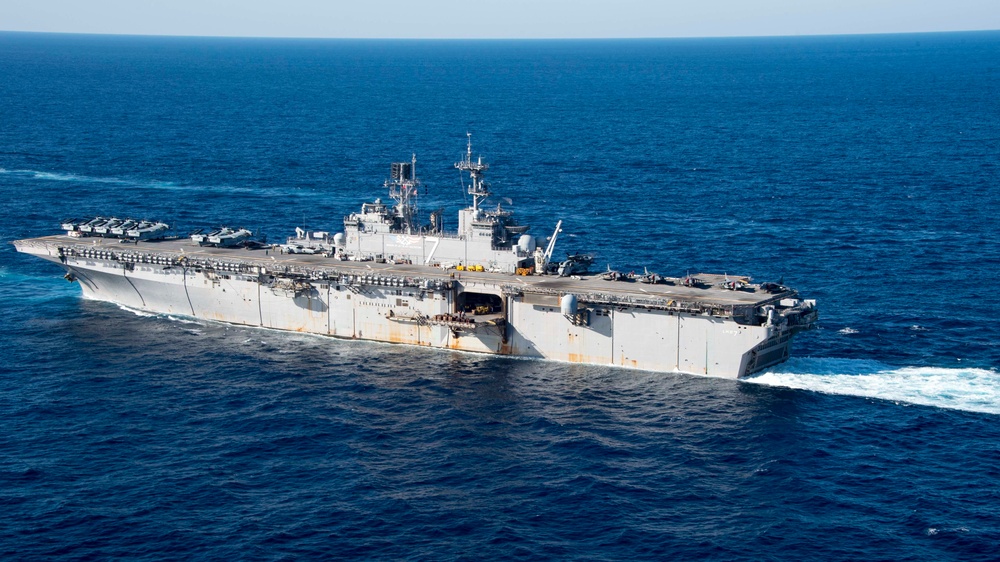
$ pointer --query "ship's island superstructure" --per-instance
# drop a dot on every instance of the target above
(490, 287)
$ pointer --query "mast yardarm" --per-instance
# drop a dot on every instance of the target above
(479, 189)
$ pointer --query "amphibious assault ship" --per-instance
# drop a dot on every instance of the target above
(488, 287)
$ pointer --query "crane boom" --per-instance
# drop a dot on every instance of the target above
(552, 242)
(542, 261)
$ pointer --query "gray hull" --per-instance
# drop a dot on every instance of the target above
(656, 328)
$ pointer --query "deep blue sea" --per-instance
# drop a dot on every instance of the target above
(862, 170)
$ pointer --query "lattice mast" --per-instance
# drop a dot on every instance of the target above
(479, 189)
(404, 190)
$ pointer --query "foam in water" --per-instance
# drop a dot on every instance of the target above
(53, 176)
(136, 311)
(138, 184)
(147, 314)
(969, 389)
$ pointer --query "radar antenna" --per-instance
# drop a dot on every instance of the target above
(479, 189)
(403, 189)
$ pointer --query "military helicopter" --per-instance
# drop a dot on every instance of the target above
(772, 288)
(575, 263)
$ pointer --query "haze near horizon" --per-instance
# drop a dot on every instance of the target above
(492, 19)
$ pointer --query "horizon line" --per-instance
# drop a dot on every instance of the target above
(602, 38)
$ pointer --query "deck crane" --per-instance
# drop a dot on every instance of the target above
(542, 260)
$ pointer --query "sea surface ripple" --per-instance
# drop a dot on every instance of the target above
(860, 170)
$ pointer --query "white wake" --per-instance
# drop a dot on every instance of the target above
(959, 388)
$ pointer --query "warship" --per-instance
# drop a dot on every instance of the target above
(391, 276)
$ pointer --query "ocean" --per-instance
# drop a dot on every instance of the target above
(861, 170)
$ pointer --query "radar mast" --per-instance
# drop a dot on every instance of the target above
(403, 190)
(479, 189)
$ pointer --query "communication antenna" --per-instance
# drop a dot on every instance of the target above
(404, 190)
(479, 189)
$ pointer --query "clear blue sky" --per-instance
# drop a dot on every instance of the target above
(497, 18)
